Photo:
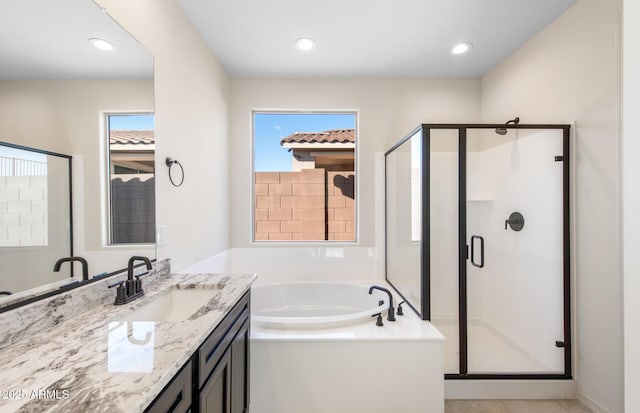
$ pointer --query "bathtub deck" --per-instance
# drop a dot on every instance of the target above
(358, 368)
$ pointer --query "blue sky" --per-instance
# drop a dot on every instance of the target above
(131, 122)
(270, 128)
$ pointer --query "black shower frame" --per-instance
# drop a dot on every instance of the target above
(425, 312)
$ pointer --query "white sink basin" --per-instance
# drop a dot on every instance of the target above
(173, 305)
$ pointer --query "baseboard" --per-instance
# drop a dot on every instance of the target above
(509, 389)
(591, 404)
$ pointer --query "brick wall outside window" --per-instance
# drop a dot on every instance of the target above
(310, 205)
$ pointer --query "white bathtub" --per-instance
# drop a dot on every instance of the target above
(314, 305)
(322, 365)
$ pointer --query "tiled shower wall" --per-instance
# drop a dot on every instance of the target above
(23, 211)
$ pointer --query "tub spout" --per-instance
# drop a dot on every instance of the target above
(391, 312)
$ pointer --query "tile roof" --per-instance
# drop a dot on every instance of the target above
(328, 136)
(131, 137)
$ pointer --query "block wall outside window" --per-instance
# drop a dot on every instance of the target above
(133, 204)
(309, 205)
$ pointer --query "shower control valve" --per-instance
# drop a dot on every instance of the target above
(515, 221)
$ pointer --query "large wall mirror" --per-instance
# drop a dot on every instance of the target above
(59, 88)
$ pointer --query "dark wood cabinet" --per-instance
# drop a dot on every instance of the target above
(217, 375)
(240, 371)
(215, 396)
(176, 397)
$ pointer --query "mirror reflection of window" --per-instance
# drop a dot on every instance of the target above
(23, 198)
(131, 178)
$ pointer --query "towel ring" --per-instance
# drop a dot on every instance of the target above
(170, 162)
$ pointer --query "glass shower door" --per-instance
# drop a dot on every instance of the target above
(403, 200)
(514, 237)
(443, 145)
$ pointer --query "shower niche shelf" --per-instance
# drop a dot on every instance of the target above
(479, 199)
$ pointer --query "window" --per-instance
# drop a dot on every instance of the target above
(304, 176)
(131, 179)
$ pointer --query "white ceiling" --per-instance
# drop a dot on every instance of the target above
(367, 37)
(48, 39)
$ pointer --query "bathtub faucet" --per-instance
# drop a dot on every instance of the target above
(391, 312)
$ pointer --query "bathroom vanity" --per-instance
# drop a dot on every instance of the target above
(216, 378)
(87, 354)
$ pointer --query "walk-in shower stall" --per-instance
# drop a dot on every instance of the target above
(477, 242)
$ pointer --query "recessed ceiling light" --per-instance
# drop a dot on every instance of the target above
(305, 44)
(101, 44)
(461, 48)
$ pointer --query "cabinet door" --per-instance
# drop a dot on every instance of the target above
(176, 397)
(240, 370)
(215, 396)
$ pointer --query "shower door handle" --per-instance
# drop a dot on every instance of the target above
(473, 256)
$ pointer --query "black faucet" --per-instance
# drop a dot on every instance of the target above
(130, 289)
(136, 284)
(130, 266)
(391, 312)
(85, 266)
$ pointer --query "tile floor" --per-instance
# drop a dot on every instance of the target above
(514, 406)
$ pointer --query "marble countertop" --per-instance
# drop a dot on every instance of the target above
(100, 362)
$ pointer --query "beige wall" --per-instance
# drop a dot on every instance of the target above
(570, 73)
(67, 117)
(191, 99)
(387, 110)
(631, 205)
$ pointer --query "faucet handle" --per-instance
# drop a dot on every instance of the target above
(121, 292)
(138, 276)
(379, 319)
(115, 284)
(400, 312)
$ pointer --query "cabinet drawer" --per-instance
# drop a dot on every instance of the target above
(215, 345)
(176, 397)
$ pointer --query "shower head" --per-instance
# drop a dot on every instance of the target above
(503, 131)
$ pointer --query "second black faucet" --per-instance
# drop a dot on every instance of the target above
(391, 312)
(130, 289)
(136, 285)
